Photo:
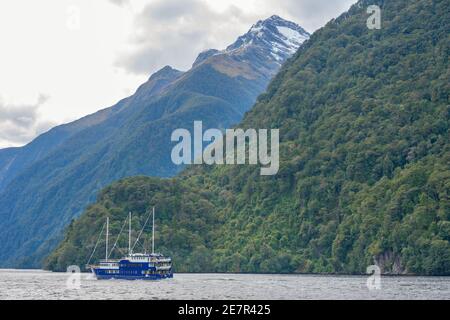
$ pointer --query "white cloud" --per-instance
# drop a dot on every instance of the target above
(20, 123)
(310, 14)
(172, 32)
(120, 3)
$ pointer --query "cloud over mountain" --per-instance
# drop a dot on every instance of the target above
(20, 122)
(138, 36)
(172, 32)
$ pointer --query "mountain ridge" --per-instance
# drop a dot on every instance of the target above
(364, 178)
(130, 138)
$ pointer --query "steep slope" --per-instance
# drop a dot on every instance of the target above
(133, 139)
(41, 147)
(19, 159)
(364, 176)
(267, 45)
(6, 158)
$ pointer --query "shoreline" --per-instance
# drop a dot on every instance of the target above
(262, 274)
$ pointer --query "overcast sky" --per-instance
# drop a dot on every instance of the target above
(63, 59)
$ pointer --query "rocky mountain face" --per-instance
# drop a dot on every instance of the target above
(47, 183)
(267, 45)
(274, 37)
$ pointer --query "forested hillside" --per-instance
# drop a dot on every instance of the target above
(46, 184)
(364, 176)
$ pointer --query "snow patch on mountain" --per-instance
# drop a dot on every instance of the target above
(294, 38)
(274, 37)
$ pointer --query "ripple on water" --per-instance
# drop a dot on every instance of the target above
(18, 284)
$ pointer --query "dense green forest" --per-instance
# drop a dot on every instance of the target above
(364, 176)
(50, 181)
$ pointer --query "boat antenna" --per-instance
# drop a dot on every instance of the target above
(153, 232)
(129, 233)
(107, 238)
(96, 244)
(140, 233)
(118, 237)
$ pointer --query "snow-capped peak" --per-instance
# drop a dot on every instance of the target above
(273, 40)
(280, 37)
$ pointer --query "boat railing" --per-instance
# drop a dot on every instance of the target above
(109, 261)
(164, 268)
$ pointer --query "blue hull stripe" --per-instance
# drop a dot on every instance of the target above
(119, 277)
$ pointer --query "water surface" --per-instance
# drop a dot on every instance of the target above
(18, 284)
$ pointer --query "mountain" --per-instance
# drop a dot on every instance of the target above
(364, 176)
(274, 36)
(14, 160)
(47, 183)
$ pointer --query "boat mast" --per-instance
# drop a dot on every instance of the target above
(153, 232)
(129, 233)
(107, 238)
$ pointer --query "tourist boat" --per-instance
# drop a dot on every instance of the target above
(134, 266)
